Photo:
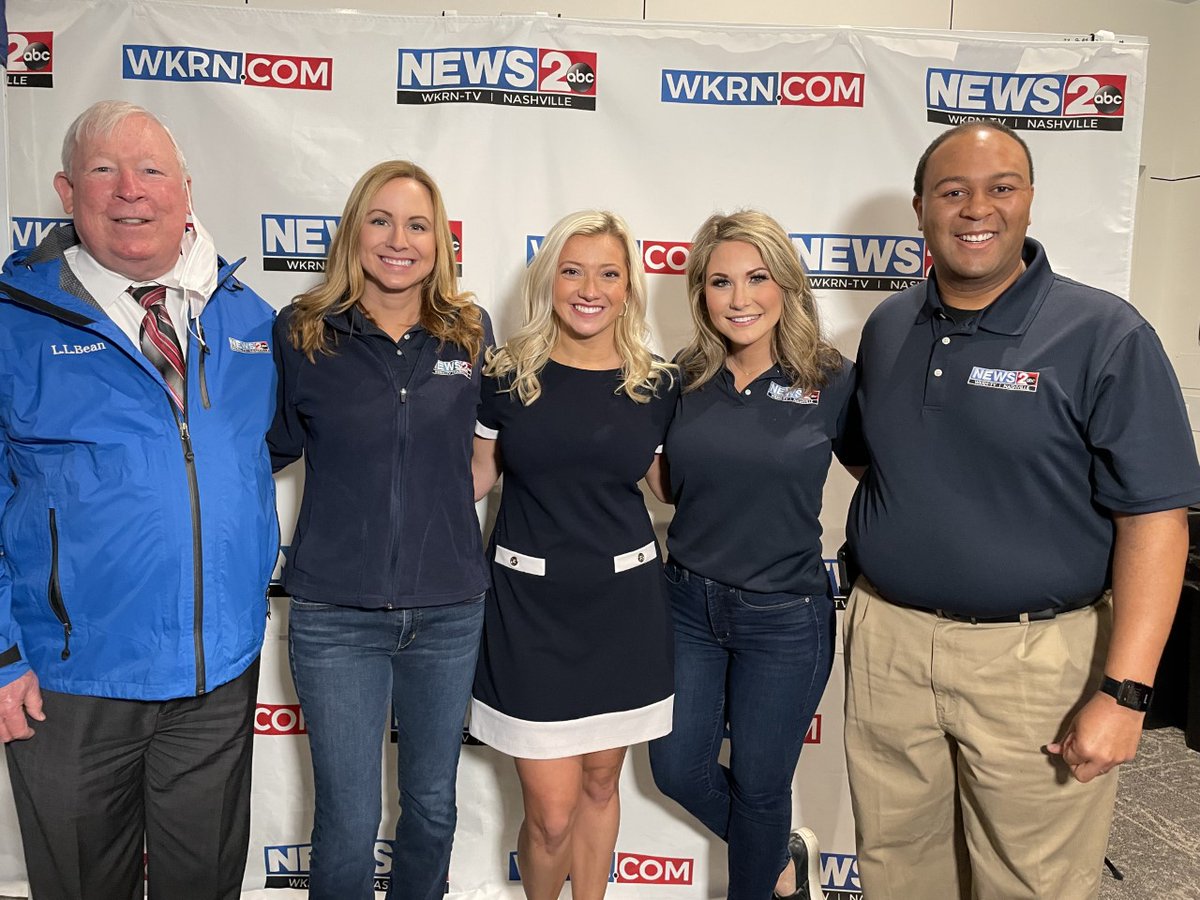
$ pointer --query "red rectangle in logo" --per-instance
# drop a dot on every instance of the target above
(304, 73)
(821, 88)
(567, 72)
(665, 257)
(1094, 95)
(31, 51)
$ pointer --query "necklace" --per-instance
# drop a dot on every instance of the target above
(745, 373)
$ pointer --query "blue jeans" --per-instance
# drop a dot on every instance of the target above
(347, 663)
(757, 663)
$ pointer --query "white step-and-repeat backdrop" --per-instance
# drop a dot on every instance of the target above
(521, 120)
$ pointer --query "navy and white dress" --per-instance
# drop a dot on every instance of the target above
(577, 645)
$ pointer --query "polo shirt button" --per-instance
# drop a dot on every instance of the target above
(407, 336)
(747, 392)
(641, 557)
(399, 352)
(937, 373)
(512, 560)
(945, 340)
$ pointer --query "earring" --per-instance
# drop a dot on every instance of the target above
(624, 310)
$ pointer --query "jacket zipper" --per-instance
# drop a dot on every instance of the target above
(189, 459)
(398, 520)
(54, 588)
(204, 351)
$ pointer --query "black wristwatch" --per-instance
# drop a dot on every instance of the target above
(1130, 694)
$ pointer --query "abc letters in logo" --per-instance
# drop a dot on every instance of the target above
(581, 78)
(30, 59)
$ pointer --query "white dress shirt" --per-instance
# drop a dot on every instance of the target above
(111, 291)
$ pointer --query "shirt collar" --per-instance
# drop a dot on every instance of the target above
(772, 373)
(1012, 312)
(353, 321)
(106, 286)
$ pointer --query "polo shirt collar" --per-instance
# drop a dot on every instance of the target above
(1012, 312)
(727, 375)
(353, 321)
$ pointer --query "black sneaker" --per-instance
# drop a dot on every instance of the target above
(806, 857)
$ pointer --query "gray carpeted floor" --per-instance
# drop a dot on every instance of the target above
(1155, 837)
(1156, 831)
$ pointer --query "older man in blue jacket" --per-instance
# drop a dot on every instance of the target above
(137, 528)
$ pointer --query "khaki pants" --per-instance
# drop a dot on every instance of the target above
(953, 793)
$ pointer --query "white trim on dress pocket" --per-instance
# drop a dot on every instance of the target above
(483, 431)
(635, 558)
(511, 559)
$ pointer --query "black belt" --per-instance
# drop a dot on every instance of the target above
(1038, 615)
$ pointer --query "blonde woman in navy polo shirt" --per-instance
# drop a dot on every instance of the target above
(764, 402)
(379, 374)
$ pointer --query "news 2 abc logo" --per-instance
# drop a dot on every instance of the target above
(30, 59)
(1027, 101)
(501, 76)
(301, 243)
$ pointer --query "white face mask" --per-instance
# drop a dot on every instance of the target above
(198, 268)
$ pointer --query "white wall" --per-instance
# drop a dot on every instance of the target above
(1167, 226)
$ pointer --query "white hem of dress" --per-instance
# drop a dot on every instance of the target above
(526, 739)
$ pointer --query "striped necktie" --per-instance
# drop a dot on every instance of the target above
(159, 341)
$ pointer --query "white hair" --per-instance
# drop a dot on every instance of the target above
(101, 119)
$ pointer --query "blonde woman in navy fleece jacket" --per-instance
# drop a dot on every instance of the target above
(379, 383)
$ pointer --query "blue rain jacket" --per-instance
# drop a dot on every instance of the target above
(135, 546)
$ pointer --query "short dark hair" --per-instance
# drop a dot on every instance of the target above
(989, 125)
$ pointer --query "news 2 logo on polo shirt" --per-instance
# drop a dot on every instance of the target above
(152, 62)
(301, 243)
(1026, 101)
(762, 88)
(503, 76)
(1004, 379)
(30, 58)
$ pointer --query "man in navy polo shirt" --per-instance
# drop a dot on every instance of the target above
(1022, 535)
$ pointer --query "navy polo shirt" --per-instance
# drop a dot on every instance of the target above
(747, 472)
(999, 446)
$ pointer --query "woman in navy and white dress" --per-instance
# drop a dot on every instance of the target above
(576, 658)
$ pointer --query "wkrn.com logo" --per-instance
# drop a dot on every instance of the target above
(275, 719)
(658, 257)
(149, 62)
(762, 88)
(30, 59)
(503, 76)
(1026, 101)
(839, 877)
(635, 868)
(301, 243)
(28, 231)
(862, 262)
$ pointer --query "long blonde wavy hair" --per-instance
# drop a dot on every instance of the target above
(446, 313)
(797, 345)
(527, 351)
